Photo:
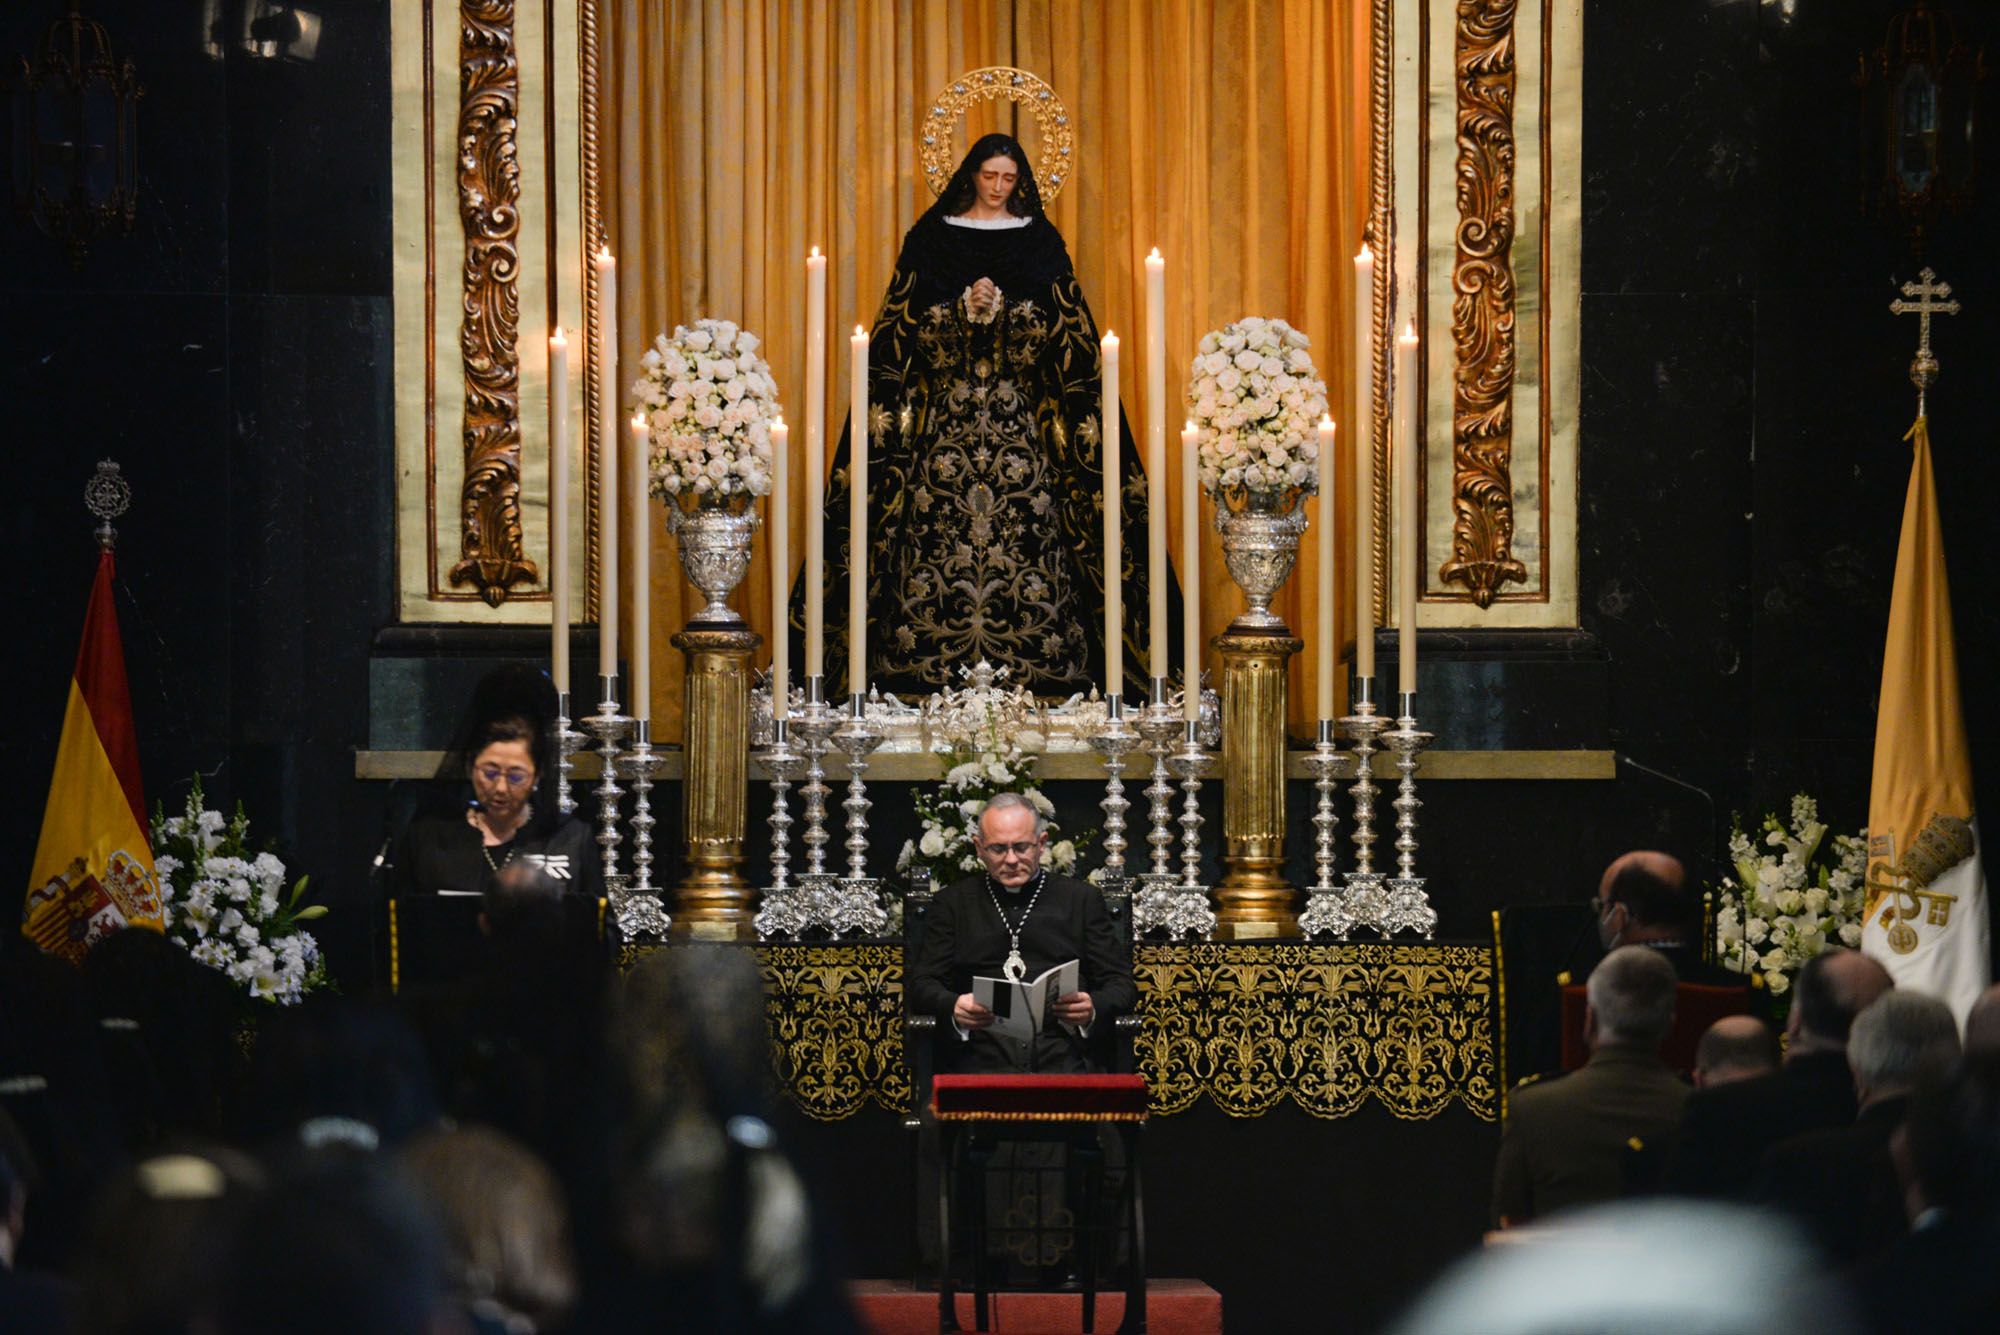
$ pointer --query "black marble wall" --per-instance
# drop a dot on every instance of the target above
(1742, 472)
(234, 356)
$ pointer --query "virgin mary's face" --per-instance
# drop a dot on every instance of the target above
(995, 181)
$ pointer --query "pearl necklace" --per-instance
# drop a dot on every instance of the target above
(472, 819)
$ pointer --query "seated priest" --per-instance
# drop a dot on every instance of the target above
(1018, 920)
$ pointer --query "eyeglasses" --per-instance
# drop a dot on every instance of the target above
(1020, 850)
(515, 778)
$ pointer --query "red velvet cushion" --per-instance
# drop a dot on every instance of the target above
(1039, 1098)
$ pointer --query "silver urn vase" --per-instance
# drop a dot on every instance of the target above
(715, 552)
(1260, 544)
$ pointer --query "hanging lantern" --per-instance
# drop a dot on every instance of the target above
(75, 144)
(1920, 93)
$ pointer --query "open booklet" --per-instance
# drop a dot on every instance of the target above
(1019, 1008)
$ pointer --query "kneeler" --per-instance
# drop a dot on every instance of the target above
(1022, 1106)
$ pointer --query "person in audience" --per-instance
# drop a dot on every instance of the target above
(1568, 1140)
(31, 1303)
(1727, 1128)
(336, 1071)
(338, 1244)
(1019, 919)
(155, 1254)
(1736, 1047)
(1642, 900)
(1982, 1022)
(1941, 1276)
(167, 1028)
(505, 1228)
(1839, 1182)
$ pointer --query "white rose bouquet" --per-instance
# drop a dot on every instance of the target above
(709, 402)
(227, 906)
(1256, 400)
(1792, 896)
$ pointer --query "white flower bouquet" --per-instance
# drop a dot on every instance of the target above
(228, 907)
(709, 402)
(1256, 400)
(1792, 896)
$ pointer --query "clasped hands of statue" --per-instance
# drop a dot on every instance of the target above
(982, 301)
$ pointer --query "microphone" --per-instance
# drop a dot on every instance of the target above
(1708, 798)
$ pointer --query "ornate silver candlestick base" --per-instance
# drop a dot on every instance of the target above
(814, 723)
(1159, 723)
(1113, 739)
(1408, 908)
(640, 913)
(568, 742)
(610, 728)
(855, 901)
(1326, 903)
(785, 911)
(1366, 896)
(1182, 909)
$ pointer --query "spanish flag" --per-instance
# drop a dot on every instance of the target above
(1926, 917)
(93, 870)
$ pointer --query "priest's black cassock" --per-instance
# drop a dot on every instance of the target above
(964, 936)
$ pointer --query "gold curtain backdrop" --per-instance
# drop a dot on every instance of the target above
(1232, 134)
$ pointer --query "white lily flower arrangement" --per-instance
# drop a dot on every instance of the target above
(228, 907)
(1793, 895)
(709, 402)
(1256, 400)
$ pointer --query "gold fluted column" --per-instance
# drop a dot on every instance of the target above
(1253, 899)
(715, 902)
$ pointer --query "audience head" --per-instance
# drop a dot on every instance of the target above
(1630, 998)
(167, 1028)
(1640, 898)
(338, 1244)
(1643, 1267)
(1834, 986)
(338, 1071)
(1902, 1037)
(1982, 1022)
(155, 1253)
(523, 903)
(1949, 1147)
(503, 1223)
(1736, 1047)
(1013, 836)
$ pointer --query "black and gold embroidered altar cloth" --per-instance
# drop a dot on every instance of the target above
(1248, 1027)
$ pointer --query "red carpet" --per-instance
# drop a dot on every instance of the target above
(1173, 1307)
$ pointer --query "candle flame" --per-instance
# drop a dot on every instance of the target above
(859, 332)
(1326, 419)
(556, 337)
(1189, 427)
(1409, 333)
(638, 420)
(1365, 254)
(815, 253)
(604, 252)
(778, 424)
(1155, 253)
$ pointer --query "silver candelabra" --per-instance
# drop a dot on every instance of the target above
(568, 742)
(1326, 903)
(814, 724)
(1182, 908)
(786, 910)
(1160, 724)
(641, 915)
(609, 727)
(1366, 898)
(1113, 739)
(1407, 907)
(855, 901)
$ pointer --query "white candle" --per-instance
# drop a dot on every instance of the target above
(1156, 461)
(1363, 432)
(777, 512)
(1409, 534)
(1191, 570)
(607, 464)
(637, 466)
(1114, 563)
(1325, 638)
(559, 510)
(815, 499)
(857, 516)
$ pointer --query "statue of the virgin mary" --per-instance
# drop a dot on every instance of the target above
(985, 461)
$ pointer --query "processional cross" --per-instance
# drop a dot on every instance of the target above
(1930, 300)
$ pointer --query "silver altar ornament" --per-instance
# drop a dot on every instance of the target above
(715, 553)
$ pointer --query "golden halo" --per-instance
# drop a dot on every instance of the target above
(1051, 118)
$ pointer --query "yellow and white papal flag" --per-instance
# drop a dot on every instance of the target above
(1926, 918)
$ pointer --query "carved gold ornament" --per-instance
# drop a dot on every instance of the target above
(1058, 156)
(489, 192)
(1482, 306)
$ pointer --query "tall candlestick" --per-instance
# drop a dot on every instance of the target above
(1114, 562)
(1191, 571)
(607, 464)
(637, 469)
(1156, 461)
(1364, 463)
(815, 499)
(559, 510)
(778, 511)
(857, 516)
(1409, 531)
(1325, 638)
